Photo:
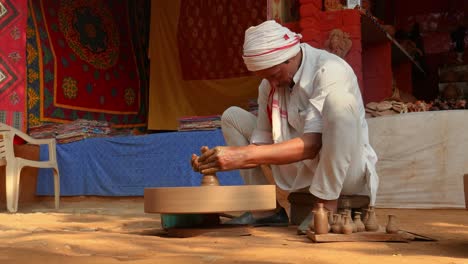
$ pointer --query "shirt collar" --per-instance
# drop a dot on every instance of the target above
(298, 73)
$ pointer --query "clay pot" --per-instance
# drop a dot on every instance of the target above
(348, 212)
(392, 226)
(209, 180)
(330, 220)
(359, 224)
(336, 227)
(320, 220)
(371, 224)
(365, 214)
(347, 227)
(343, 214)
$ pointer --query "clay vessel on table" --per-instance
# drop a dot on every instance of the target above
(209, 179)
(365, 215)
(330, 220)
(371, 224)
(348, 211)
(392, 226)
(359, 224)
(347, 227)
(336, 227)
(343, 214)
(320, 220)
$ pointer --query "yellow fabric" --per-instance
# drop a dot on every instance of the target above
(170, 97)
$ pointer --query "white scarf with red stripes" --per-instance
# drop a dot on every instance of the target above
(269, 44)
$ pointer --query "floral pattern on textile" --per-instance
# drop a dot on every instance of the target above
(12, 63)
(210, 36)
(90, 31)
(87, 54)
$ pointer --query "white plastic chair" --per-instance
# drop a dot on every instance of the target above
(14, 165)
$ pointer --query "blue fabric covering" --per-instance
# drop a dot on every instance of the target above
(124, 166)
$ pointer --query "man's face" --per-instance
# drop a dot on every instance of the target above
(278, 76)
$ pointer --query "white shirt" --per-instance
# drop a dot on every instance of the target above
(304, 114)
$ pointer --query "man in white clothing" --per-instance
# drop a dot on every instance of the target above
(310, 126)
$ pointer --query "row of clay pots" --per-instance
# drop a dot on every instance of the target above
(323, 222)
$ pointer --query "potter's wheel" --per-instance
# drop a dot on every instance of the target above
(210, 199)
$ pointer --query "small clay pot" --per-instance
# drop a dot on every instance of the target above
(347, 227)
(392, 226)
(336, 227)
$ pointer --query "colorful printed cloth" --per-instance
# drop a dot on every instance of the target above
(210, 36)
(13, 62)
(82, 61)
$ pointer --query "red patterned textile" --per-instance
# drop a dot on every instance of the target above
(211, 34)
(94, 63)
(316, 27)
(377, 72)
(82, 61)
(13, 15)
(371, 64)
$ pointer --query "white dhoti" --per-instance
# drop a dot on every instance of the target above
(340, 167)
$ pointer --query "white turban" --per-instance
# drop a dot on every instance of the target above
(269, 44)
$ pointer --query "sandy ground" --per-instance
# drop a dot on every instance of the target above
(105, 230)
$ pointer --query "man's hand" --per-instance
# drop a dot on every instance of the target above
(246, 157)
(194, 161)
(223, 159)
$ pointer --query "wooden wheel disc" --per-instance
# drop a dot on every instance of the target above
(210, 199)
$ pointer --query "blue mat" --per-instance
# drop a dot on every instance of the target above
(124, 166)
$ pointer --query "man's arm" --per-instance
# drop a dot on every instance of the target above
(244, 157)
(293, 150)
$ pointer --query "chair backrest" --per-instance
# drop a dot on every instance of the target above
(15, 164)
(13, 131)
(6, 142)
(2, 146)
(8, 133)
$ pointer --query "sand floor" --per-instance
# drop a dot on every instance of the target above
(112, 230)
